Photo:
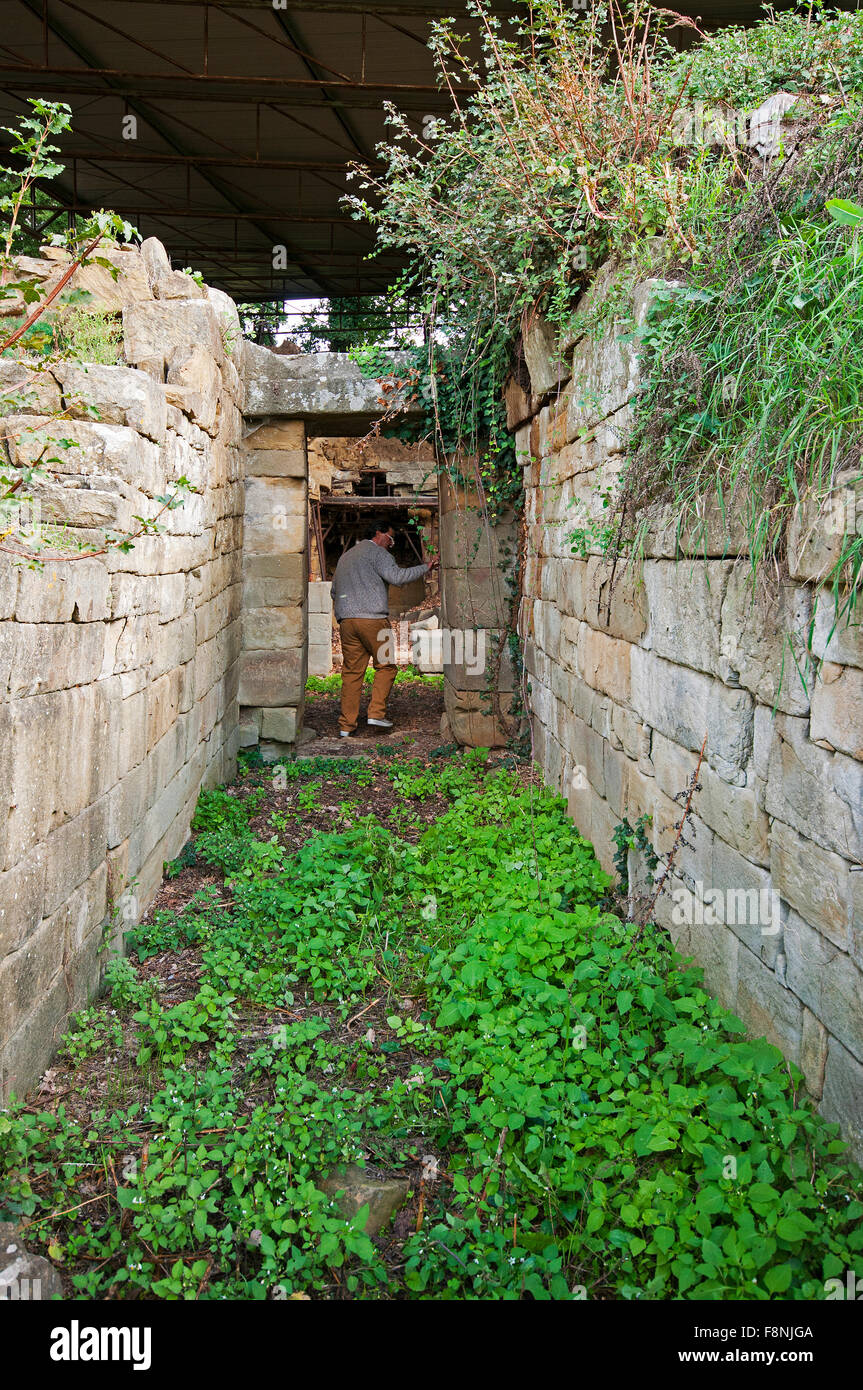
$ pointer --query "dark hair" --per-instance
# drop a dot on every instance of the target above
(374, 527)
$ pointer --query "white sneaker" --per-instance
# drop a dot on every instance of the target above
(381, 723)
(344, 733)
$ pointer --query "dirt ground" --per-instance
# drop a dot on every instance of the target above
(326, 801)
(416, 712)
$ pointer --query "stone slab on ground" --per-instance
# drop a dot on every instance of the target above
(23, 1275)
(358, 1187)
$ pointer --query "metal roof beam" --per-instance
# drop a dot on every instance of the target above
(348, 100)
(147, 114)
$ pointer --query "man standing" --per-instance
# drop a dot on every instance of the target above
(361, 605)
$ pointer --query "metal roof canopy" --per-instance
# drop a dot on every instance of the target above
(247, 117)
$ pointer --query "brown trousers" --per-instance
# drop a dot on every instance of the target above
(363, 638)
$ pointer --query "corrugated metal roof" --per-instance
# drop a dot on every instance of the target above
(246, 118)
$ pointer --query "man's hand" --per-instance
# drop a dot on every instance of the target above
(433, 565)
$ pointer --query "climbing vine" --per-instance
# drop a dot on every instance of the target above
(579, 135)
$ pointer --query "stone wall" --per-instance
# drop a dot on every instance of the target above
(337, 465)
(628, 677)
(320, 628)
(275, 581)
(478, 561)
(118, 674)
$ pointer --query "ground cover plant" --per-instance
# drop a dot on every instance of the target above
(452, 1001)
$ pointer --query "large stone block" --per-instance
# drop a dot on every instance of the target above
(827, 980)
(744, 898)
(127, 283)
(477, 721)
(162, 329)
(155, 258)
(279, 724)
(274, 593)
(73, 852)
(733, 812)
(718, 533)
(604, 378)
(686, 705)
(194, 384)
(22, 890)
(275, 517)
(813, 1053)
(325, 389)
(167, 818)
(273, 629)
(717, 951)
(613, 599)
(231, 331)
(136, 642)
(35, 392)
(768, 1009)
(321, 598)
(277, 434)
(9, 574)
(270, 679)
(817, 884)
(289, 567)
(592, 815)
(87, 449)
(163, 705)
(320, 659)
(42, 793)
(837, 635)
(82, 912)
(547, 627)
(31, 1047)
(320, 626)
(820, 528)
(26, 973)
(121, 395)
(604, 663)
(765, 640)
(684, 603)
(819, 793)
(837, 709)
(469, 543)
(63, 593)
(473, 660)
(174, 284)
(475, 598)
(275, 463)
(842, 1098)
(125, 801)
(55, 656)
(548, 367)
(520, 404)
(111, 287)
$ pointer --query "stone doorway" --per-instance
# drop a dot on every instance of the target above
(316, 472)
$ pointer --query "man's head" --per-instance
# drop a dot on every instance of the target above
(382, 534)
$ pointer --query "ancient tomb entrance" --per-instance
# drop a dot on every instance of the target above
(316, 475)
(354, 483)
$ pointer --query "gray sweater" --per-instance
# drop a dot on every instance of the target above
(361, 579)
